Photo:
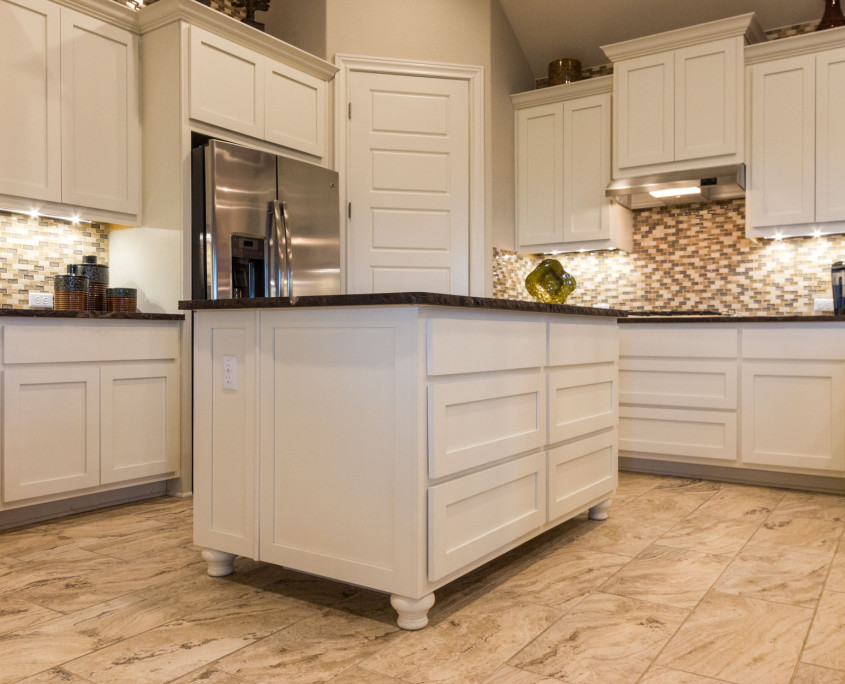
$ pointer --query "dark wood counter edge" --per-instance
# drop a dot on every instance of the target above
(633, 318)
(90, 315)
(395, 299)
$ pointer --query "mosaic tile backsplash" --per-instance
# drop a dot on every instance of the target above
(693, 256)
(33, 250)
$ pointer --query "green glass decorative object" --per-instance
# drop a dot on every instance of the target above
(549, 283)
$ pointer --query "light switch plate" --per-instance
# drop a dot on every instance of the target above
(230, 372)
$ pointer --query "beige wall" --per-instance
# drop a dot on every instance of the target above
(288, 21)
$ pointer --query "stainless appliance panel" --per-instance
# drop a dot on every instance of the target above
(240, 185)
(309, 207)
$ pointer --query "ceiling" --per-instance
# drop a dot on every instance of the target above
(551, 29)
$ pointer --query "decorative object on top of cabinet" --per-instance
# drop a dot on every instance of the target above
(678, 97)
(549, 282)
(795, 138)
(251, 7)
(832, 17)
(565, 70)
(563, 168)
(70, 135)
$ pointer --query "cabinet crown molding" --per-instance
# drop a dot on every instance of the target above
(744, 25)
(166, 12)
(566, 91)
(795, 46)
(107, 10)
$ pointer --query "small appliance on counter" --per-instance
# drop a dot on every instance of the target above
(837, 278)
(262, 225)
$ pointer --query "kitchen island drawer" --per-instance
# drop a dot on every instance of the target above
(475, 346)
(477, 422)
(580, 472)
(479, 513)
(704, 383)
(582, 399)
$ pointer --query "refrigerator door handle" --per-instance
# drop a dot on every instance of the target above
(288, 289)
(277, 252)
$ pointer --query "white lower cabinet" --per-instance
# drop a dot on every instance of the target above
(396, 448)
(83, 413)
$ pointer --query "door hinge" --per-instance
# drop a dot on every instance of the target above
(349, 110)
(349, 209)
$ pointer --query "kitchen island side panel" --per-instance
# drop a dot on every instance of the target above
(340, 482)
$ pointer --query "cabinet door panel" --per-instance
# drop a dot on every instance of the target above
(30, 117)
(139, 421)
(586, 168)
(295, 109)
(480, 421)
(482, 512)
(792, 414)
(830, 136)
(226, 84)
(51, 431)
(706, 100)
(645, 118)
(100, 119)
(580, 472)
(782, 172)
(539, 159)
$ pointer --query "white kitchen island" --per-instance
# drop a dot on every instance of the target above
(397, 441)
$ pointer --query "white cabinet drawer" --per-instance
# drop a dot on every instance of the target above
(674, 432)
(473, 346)
(479, 513)
(684, 340)
(76, 341)
(813, 344)
(708, 383)
(580, 342)
(581, 400)
(580, 472)
(480, 421)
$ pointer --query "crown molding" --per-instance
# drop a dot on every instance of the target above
(565, 91)
(794, 46)
(743, 25)
(195, 13)
(107, 10)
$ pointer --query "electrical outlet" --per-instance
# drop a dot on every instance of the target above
(41, 299)
(822, 304)
(230, 372)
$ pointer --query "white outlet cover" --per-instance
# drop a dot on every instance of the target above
(41, 299)
(822, 304)
(230, 372)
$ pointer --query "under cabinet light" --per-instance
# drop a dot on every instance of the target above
(75, 219)
(675, 192)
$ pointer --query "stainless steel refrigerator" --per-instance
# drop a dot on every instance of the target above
(263, 225)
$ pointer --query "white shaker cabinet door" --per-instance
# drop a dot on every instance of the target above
(100, 116)
(707, 99)
(140, 420)
(30, 116)
(830, 136)
(226, 84)
(783, 151)
(295, 109)
(645, 118)
(539, 160)
(51, 428)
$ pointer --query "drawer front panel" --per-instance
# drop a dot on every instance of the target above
(670, 382)
(673, 432)
(474, 515)
(583, 342)
(687, 340)
(462, 346)
(818, 343)
(480, 421)
(581, 400)
(81, 342)
(580, 472)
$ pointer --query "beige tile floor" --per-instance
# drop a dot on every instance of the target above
(687, 582)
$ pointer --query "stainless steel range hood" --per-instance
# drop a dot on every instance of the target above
(715, 183)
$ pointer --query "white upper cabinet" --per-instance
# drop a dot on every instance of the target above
(69, 125)
(239, 89)
(678, 97)
(796, 141)
(563, 168)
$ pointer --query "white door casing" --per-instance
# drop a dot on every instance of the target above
(411, 151)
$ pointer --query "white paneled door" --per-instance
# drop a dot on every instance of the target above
(408, 183)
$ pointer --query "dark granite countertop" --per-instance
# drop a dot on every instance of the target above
(633, 317)
(396, 299)
(91, 315)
